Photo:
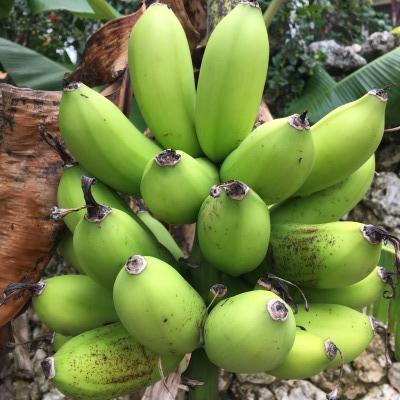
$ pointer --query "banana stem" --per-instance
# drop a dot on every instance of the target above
(55, 143)
(102, 7)
(272, 9)
(205, 374)
(15, 289)
(95, 212)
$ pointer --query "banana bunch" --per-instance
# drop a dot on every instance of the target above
(267, 203)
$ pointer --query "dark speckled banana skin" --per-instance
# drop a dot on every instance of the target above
(328, 255)
(104, 363)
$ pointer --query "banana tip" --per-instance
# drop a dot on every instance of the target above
(135, 265)
(71, 86)
(167, 158)
(48, 367)
(277, 310)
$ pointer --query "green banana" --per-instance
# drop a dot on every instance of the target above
(345, 139)
(157, 306)
(106, 237)
(66, 250)
(205, 372)
(174, 185)
(59, 340)
(330, 255)
(102, 139)
(233, 228)
(161, 71)
(202, 276)
(161, 233)
(231, 81)
(310, 355)
(69, 195)
(329, 204)
(350, 330)
(104, 363)
(250, 332)
(72, 304)
(275, 159)
(358, 295)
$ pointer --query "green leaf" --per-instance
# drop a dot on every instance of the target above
(5, 7)
(385, 70)
(30, 69)
(320, 82)
(76, 6)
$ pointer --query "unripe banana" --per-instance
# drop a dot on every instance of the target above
(157, 306)
(69, 195)
(59, 340)
(329, 204)
(329, 255)
(106, 237)
(275, 159)
(102, 139)
(72, 304)
(66, 250)
(358, 295)
(350, 330)
(174, 186)
(104, 363)
(310, 355)
(161, 233)
(233, 228)
(251, 332)
(345, 139)
(231, 81)
(161, 72)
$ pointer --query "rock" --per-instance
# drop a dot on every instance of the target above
(368, 369)
(383, 392)
(394, 375)
(379, 43)
(259, 379)
(338, 57)
(225, 380)
(248, 391)
(383, 200)
(296, 390)
(54, 394)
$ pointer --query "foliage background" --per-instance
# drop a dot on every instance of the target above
(60, 35)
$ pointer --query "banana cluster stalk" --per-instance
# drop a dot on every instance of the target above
(142, 301)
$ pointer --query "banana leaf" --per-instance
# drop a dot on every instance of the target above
(5, 7)
(321, 96)
(76, 6)
(93, 9)
(30, 69)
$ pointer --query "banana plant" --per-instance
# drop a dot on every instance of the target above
(323, 94)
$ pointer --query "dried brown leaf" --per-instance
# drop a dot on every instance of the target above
(264, 115)
(106, 53)
(30, 172)
(192, 32)
(120, 93)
